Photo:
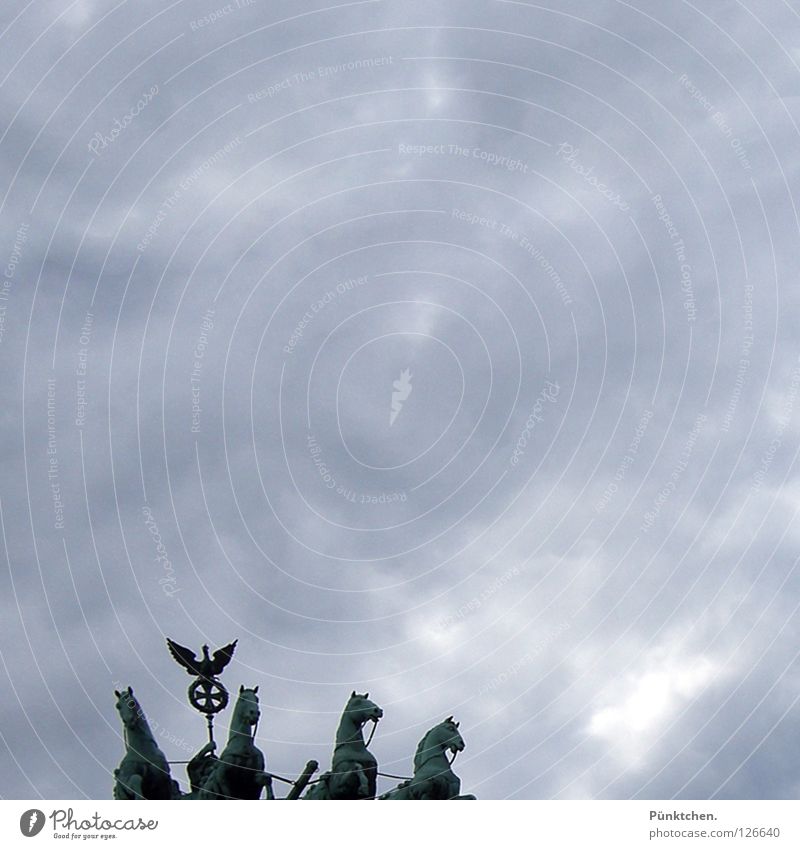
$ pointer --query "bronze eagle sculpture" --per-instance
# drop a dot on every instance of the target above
(206, 667)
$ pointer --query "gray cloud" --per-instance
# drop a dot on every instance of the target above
(220, 292)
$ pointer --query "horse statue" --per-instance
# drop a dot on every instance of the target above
(433, 775)
(354, 770)
(144, 771)
(238, 773)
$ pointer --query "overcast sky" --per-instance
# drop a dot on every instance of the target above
(442, 350)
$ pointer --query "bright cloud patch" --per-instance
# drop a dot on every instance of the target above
(650, 701)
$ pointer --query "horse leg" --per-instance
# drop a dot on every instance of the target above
(132, 785)
(350, 781)
(320, 789)
(343, 784)
(207, 789)
(265, 780)
(128, 783)
(210, 786)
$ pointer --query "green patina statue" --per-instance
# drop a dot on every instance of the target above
(354, 770)
(238, 773)
(200, 768)
(433, 774)
(144, 771)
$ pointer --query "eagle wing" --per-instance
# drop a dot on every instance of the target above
(222, 658)
(186, 657)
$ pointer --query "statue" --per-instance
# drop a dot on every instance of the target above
(206, 693)
(144, 771)
(199, 769)
(433, 775)
(238, 773)
(354, 770)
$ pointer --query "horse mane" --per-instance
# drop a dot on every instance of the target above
(422, 747)
(422, 743)
(142, 726)
(418, 753)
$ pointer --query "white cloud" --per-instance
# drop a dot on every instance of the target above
(649, 700)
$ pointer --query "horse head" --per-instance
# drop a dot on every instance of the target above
(246, 713)
(129, 709)
(360, 710)
(450, 736)
(441, 738)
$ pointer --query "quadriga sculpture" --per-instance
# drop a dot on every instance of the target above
(239, 772)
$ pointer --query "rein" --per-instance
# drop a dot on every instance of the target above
(410, 777)
(366, 745)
